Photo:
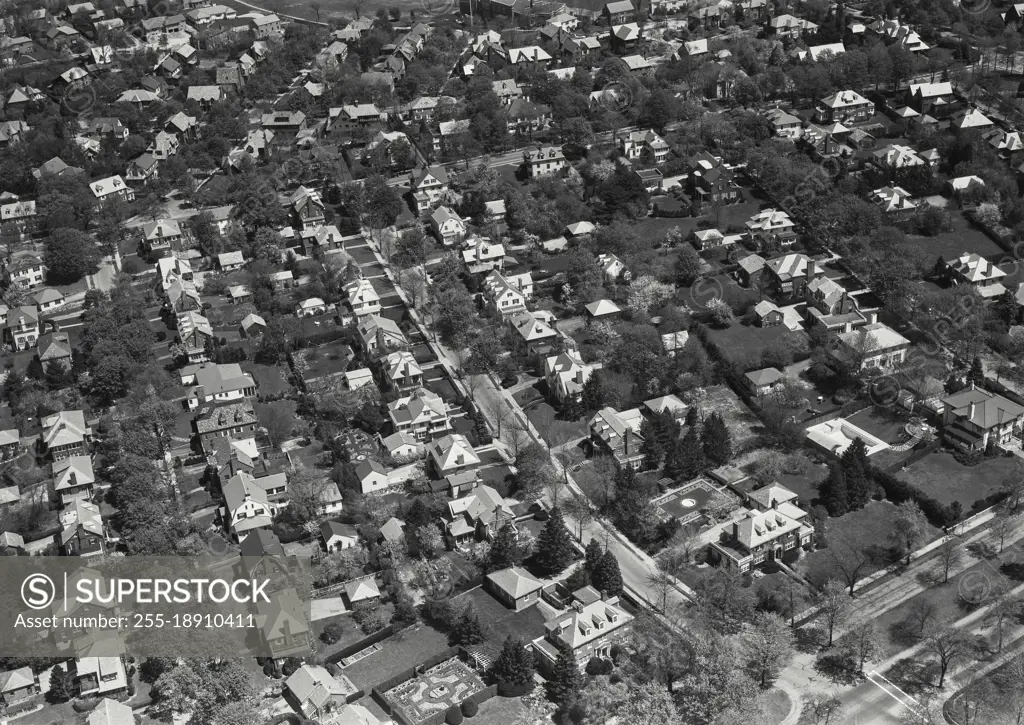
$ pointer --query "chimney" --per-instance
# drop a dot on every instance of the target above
(73, 479)
(775, 504)
(735, 530)
(971, 387)
(579, 376)
(627, 439)
(971, 407)
(577, 605)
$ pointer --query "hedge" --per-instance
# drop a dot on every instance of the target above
(897, 491)
(470, 708)
(453, 716)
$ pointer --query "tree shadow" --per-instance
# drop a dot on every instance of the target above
(838, 668)
(904, 633)
(1013, 570)
(982, 550)
(810, 640)
(914, 676)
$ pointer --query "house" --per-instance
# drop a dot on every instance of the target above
(619, 12)
(355, 379)
(786, 125)
(98, 676)
(372, 476)
(54, 351)
(362, 297)
(362, 590)
(896, 156)
(162, 235)
(508, 295)
(618, 434)
(451, 454)
(514, 587)
(164, 146)
(25, 269)
(1007, 145)
(233, 421)
(307, 209)
(73, 478)
(421, 414)
(534, 334)
(283, 629)
(12, 132)
(762, 382)
(977, 420)
(183, 124)
(790, 274)
(316, 693)
(494, 211)
(749, 269)
(543, 161)
(196, 334)
(17, 685)
(935, 99)
(772, 226)
(82, 532)
(393, 530)
(975, 271)
(10, 442)
(480, 255)
(871, 346)
(566, 374)
(645, 145)
(142, 169)
(401, 446)
(762, 536)
(603, 309)
(613, 267)
(311, 307)
(217, 383)
(447, 226)
(589, 628)
(23, 327)
(895, 203)
(480, 514)
(253, 325)
(111, 188)
(401, 371)
(263, 26)
(65, 434)
(205, 96)
(624, 38)
(829, 304)
(337, 536)
(246, 507)
(428, 186)
(844, 107)
(711, 182)
(768, 314)
(970, 118)
(230, 261)
(507, 91)
(789, 26)
(379, 334)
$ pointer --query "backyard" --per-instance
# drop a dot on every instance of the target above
(943, 478)
(965, 237)
(744, 344)
(435, 690)
(886, 424)
(743, 424)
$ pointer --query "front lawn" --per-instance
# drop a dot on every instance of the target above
(867, 528)
(946, 480)
(552, 429)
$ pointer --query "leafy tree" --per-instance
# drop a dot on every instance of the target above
(723, 602)
(685, 460)
(769, 646)
(381, 203)
(716, 440)
(429, 540)
(835, 604)
(606, 577)
(720, 311)
(514, 666)
(649, 704)
(948, 644)
(309, 491)
(863, 644)
(62, 685)
(70, 255)
(504, 551)
(554, 550)
(687, 266)
(908, 527)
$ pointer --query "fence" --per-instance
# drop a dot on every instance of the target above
(337, 587)
(362, 644)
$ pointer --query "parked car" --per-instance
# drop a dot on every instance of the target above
(509, 380)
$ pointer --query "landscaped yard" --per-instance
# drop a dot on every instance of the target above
(943, 478)
(436, 690)
(742, 423)
(886, 424)
(869, 527)
(744, 344)
(397, 653)
(500, 711)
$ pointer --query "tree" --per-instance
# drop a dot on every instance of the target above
(649, 704)
(821, 709)
(309, 491)
(381, 204)
(720, 311)
(769, 646)
(504, 551)
(976, 374)
(908, 528)
(850, 563)
(62, 685)
(1003, 609)
(429, 540)
(856, 472)
(468, 631)
(948, 644)
(863, 644)
(566, 681)
(579, 509)
(833, 492)
(278, 418)
(716, 440)
(722, 601)
(514, 666)
(592, 555)
(606, 577)
(950, 554)
(688, 266)
(70, 255)
(332, 633)
(554, 545)
(835, 605)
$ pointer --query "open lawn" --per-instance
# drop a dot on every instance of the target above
(744, 344)
(500, 711)
(965, 237)
(269, 378)
(554, 430)
(869, 527)
(942, 477)
(700, 293)
(499, 621)
(397, 653)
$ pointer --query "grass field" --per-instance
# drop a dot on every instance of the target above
(965, 237)
(942, 477)
(744, 344)
(869, 527)
(743, 424)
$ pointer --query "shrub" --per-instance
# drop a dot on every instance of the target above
(595, 666)
(331, 634)
(453, 716)
(470, 708)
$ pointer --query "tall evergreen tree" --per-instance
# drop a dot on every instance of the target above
(468, 630)
(593, 555)
(686, 459)
(554, 545)
(652, 447)
(514, 666)
(857, 472)
(976, 374)
(716, 440)
(606, 577)
(566, 681)
(832, 491)
(505, 551)
(595, 393)
(953, 384)
(62, 685)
